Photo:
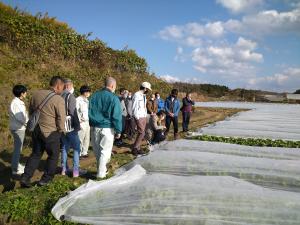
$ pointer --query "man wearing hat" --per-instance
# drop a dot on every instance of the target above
(140, 115)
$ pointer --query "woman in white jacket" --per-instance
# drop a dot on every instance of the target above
(18, 118)
(82, 106)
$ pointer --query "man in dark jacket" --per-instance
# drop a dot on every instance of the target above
(130, 123)
(172, 108)
(187, 108)
(71, 139)
(122, 97)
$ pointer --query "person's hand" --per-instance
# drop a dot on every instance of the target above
(171, 114)
(118, 136)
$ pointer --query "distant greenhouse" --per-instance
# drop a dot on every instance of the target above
(293, 96)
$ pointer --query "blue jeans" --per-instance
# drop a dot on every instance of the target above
(70, 140)
(174, 120)
(18, 136)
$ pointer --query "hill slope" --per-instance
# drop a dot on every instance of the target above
(34, 48)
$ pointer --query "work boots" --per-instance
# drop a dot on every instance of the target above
(176, 136)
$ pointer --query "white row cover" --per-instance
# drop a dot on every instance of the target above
(265, 120)
(230, 149)
(135, 198)
(193, 182)
(264, 169)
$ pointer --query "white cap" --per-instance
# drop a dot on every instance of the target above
(146, 85)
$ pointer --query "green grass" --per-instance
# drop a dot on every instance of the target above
(33, 205)
(249, 141)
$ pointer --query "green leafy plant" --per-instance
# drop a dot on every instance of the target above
(249, 141)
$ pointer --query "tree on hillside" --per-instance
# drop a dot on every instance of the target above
(297, 92)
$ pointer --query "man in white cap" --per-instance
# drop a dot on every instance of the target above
(139, 110)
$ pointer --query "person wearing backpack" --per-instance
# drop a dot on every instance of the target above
(71, 139)
(46, 134)
(18, 118)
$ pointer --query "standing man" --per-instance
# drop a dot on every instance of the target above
(160, 102)
(71, 139)
(172, 108)
(130, 123)
(187, 108)
(105, 118)
(139, 110)
(82, 106)
(46, 135)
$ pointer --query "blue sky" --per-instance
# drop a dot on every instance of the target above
(239, 43)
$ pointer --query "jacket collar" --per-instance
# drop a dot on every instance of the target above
(19, 100)
(106, 89)
(170, 98)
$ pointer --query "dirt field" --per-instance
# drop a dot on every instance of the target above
(201, 117)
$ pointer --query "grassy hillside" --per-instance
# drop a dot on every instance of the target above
(34, 48)
(213, 92)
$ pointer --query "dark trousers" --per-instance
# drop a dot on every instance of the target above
(185, 121)
(174, 120)
(158, 136)
(130, 127)
(40, 143)
(123, 127)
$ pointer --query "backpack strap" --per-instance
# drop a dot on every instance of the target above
(67, 103)
(49, 96)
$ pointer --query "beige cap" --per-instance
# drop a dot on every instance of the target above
(146, 85)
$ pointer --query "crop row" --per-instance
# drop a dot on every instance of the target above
(249, 141)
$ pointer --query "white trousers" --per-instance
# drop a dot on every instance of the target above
(84, 137)
(103, 140)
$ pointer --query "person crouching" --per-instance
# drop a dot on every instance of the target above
(155, 129)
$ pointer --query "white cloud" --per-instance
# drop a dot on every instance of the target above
(173, 79)
(261, 24)
(246, 44)
(234, 64)
(228, 60)
(214, 29)
(171, 32)
(169, 78)
(286, 81)
(266, 23)
(238, 6)
(191, 34)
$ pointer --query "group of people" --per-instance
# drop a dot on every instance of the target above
(104, 118)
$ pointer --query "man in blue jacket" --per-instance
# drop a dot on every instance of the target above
(105, 117)
(172, 108)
